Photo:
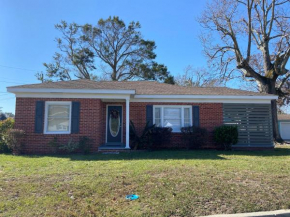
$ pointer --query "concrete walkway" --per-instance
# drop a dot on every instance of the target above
(279, 213)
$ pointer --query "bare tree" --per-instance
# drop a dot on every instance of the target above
(197, 77)
(241, 35)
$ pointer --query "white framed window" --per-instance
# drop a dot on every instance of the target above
(57, 118)
(173, 116)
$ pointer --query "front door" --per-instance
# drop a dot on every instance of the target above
(114, 124)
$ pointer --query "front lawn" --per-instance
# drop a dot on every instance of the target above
(169, 183)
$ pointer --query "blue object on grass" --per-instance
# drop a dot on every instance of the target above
(132, 197)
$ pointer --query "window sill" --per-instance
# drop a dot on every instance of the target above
(58, 133)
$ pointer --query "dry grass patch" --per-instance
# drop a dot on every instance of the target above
(169, 183)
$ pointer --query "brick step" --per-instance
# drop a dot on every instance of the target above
(110, 151)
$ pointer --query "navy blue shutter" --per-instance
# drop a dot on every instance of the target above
(75, 117)
(149, 114)
(39, 116)
(195, 116)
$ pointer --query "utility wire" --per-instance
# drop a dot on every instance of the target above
(7, 99)
(11, 82)
(12, 79)
(11, 67)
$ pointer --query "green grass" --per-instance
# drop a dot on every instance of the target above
(169, 183)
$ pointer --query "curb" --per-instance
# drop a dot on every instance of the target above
(278, 213)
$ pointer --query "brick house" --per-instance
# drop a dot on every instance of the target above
(102, 110)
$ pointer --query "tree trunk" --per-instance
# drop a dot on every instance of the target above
(276, 133)
(268, 86)
(114, 75)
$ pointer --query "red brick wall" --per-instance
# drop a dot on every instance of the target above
(211, 115)
(93, 122)
(90, 124)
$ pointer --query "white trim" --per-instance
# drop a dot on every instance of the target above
(55, 90)
(107, 97)
(107, 121)
(114, 100)
(173, 106)
(72, 95)
(47, 103)
(127, 123)
(242, 101)
(138, 98)
(202, 97)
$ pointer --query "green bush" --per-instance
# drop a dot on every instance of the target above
(140, 141)
(4, 127)
(194, 137)
(150, 138)
(54, 144)
(159, 137)
(226, 136)
(69, 147)
(15, 140)
(85, 144)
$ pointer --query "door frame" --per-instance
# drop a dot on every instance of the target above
(107, 121)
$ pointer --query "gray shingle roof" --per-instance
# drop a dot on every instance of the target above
(141, 87)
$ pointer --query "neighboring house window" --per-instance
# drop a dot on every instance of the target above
(57, 118)
(172, 116)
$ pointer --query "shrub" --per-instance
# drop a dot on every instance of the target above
(15, 140)
(85, 144)
(4, 127)
(140, 141)
(70, 146)
(194, 137)
(226, 136)
(3, 146)
(159, 136)
(54, 144)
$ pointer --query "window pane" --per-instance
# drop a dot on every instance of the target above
(58, 124)
(175, 124)
(157, 122)
(186, 117)
(172, 113)
(186, 113)
(114, 124)
(58, 111)
(186, 122)
(157, 113)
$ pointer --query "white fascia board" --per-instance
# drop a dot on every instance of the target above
(270, 97)
(238, 101)
(73, 95)
(52, 90)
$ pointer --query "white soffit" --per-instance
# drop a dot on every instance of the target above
(269, 97)
(84, 91)
(130, 94)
